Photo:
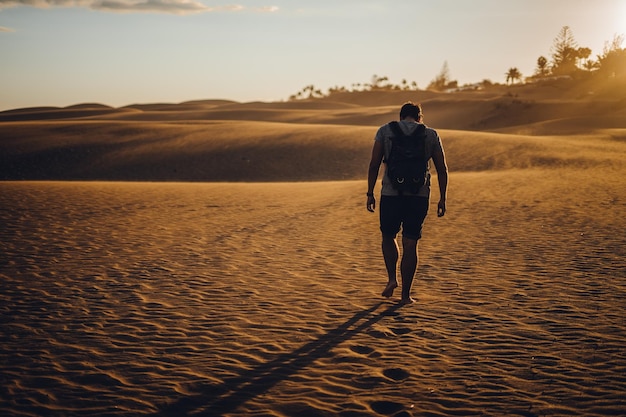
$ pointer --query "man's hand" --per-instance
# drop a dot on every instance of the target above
(371, 203)
(441, 208)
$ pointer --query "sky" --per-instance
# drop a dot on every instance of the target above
(122, 52)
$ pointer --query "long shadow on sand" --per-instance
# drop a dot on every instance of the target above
(233, 392)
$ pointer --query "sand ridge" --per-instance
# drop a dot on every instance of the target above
(233, 270)
(264, 151)
(309, 140)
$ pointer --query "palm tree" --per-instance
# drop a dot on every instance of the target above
(311, 90)
(378, 82)
(512, 75)
(542, 66)
(583, 58)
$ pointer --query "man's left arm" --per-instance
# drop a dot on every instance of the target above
(439, 159)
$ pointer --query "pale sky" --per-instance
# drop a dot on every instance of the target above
(121, 52)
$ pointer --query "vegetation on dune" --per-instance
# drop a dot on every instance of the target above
(567, 61)
(512, 75)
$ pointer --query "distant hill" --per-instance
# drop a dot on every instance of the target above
(319, 139)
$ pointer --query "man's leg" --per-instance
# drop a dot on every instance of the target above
(390, 254)
(413, 218)
(408, 266)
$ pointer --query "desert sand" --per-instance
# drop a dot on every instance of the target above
(169, 260)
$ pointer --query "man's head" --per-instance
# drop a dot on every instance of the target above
(412, 110)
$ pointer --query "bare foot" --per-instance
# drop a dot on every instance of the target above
(405, 301)
(388, 291)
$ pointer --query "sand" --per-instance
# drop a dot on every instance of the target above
(263, 298)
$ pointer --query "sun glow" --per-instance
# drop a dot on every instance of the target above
(621, 24)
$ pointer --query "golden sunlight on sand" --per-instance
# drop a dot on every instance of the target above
(256, 289)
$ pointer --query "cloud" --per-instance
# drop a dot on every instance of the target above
(158, 6)
(135, 6)
(5, 29)
(266, 9)
(43, 3)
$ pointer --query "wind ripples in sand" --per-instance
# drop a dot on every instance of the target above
(263, 299)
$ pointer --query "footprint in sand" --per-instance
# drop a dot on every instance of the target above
(401, 330)
(397, 374)
(366, 350)
(377, 334)
(386, 407)
(363, 350)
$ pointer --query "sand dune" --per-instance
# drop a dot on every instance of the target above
(255, 289)
(262, 151)
(483, 110)
(216, 151)
(220, 140)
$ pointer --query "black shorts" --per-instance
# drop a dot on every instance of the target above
(406, 211)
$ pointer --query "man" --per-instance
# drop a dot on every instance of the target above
(406, 210)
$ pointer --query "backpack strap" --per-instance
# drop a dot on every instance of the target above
(420, 131)
(395, 128)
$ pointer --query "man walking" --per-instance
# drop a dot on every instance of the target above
(404, 209)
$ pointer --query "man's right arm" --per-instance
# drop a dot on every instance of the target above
(372, 173)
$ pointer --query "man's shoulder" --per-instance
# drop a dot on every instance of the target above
(429, 130)
(431, 133)
(433, 141)
(383, 132)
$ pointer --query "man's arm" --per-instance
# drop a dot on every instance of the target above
(439, 159)
(372, 174)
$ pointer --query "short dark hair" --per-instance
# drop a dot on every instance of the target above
(410, 109)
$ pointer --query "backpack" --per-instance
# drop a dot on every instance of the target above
(407, 167)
